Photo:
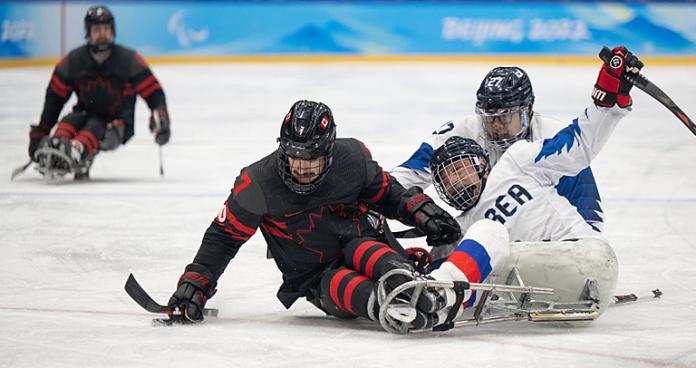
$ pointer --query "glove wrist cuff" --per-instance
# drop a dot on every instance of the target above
(200, 277)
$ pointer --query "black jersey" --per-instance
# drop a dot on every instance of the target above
(304, 233)
(106, 90)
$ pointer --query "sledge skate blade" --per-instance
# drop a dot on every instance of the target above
(563, 316)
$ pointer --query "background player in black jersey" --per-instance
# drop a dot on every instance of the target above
(106, 78)
(311, 199)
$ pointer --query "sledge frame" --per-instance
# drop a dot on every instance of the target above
(498, 303)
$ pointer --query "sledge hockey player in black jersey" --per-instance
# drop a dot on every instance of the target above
(310, 198)
(105, 78)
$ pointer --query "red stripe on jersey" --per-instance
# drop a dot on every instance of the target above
(146, 93)
(279, 224)
(369, 268)
(362, 248)
(238, 225)
(382, 189)
(233, 234)
(58, 91)
(467, 265)
(275, 232)
(144, 84)
(245, 181)
(333, 287)
(59, 83)
(348, 294)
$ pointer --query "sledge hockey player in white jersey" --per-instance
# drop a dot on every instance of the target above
(504, 115)
(517, 201)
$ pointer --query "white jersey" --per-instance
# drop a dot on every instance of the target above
(415, 171)
(579, 189)
(520, 192)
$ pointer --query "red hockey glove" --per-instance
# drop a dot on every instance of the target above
(611, 88)
(195, 287)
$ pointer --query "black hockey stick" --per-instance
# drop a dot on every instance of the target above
(409, 233)
(19, 170)
(140, 296)
(652, 90)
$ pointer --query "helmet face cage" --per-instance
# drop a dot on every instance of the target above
(305, 153)
(459, 170)
(505, 94)
(314, 170)
(99, 15)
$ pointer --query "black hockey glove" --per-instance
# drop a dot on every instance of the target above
(194, 289)
(438, 225)
(35, 135)
(611, 88)
(160, 125)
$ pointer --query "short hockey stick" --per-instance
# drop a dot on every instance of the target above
(633, 298)
(653, 91)
(140, 296)
(19, 170)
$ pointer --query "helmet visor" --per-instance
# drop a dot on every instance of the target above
(502, 124)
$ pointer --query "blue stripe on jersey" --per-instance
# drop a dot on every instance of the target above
(581, 191)
(478, 253)
(420, 159)
(564, 138)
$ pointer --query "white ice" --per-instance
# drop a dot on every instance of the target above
(67, 248)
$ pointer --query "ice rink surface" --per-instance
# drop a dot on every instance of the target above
(66, 249)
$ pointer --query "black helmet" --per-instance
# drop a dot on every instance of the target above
(503, 92)
(99, 15)
(308, 133)
(454, 166)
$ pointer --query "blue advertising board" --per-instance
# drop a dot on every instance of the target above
(210, 28)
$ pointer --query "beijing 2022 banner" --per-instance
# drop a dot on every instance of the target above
(48, 29)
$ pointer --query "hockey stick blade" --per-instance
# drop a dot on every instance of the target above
(140, 296)
(19, 170)
(653, 91)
